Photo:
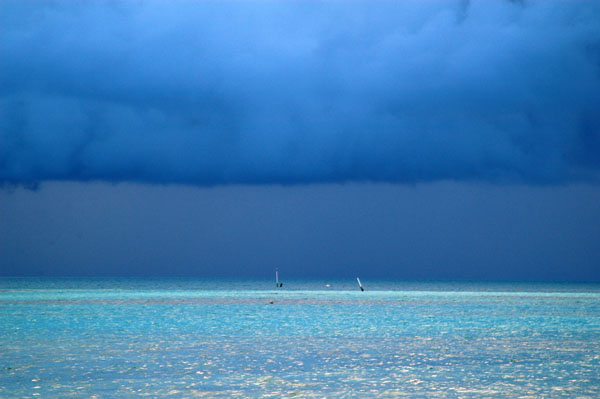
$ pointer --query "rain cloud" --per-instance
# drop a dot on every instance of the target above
(288, 92)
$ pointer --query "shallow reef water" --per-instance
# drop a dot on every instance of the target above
(103, 338)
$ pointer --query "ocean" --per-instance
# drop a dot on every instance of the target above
(130, 338)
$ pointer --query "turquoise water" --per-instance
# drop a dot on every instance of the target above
(102, 338)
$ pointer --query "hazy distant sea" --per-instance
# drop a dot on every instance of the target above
(101, 338)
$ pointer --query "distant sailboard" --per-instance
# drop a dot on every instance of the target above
(359, 284)
(277, 283)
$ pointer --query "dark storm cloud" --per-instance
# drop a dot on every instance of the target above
(289, 92)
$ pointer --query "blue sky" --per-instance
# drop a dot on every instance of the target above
(415, 102)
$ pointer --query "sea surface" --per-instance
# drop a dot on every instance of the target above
(130, 338)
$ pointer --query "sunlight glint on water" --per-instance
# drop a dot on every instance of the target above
(178, 338)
